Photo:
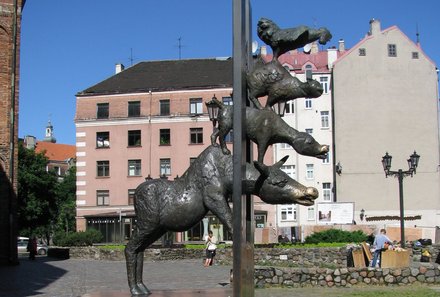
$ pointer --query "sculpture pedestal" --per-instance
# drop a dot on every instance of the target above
(217, 292)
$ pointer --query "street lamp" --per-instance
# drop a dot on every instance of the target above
(213, 109)
(279, 108)
(413, 162)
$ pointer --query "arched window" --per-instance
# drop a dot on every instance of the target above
(309, 71)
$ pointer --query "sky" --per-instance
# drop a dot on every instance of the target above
(68, 46)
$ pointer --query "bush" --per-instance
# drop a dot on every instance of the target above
(81, 238)
(335, 235)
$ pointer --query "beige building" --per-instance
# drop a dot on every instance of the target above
(385, 99)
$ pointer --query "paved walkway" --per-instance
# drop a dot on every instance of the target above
(48, 277)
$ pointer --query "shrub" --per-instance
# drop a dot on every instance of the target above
(336, 235)
(82, 238)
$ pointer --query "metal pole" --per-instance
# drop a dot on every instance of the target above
(243, 252)
(402, 218)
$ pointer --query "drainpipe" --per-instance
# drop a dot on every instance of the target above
(332, 85)
(13, 258)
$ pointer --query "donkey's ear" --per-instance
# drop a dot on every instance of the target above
(263, 169)
(281, 162)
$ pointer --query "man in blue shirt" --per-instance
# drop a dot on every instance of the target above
(379, 242)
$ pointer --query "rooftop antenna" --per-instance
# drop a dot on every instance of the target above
(131, 57)
(179, 45)
(417, 34)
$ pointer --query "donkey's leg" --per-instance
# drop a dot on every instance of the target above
(134, 258)
(216, 202)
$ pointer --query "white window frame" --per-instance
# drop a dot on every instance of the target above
(135, 167)
(310, 171)
(327, 192)
(308, 103)
(290, 170)
(165, 166)
(195, 106)
(324, 83)
(289, 213)
(325, 119)
(311, 213)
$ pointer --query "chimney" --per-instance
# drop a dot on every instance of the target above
(30, 142)
(119, 68)
(341, 45)
(314, 49)
(332, 56)
(374, 27)
(263, 51)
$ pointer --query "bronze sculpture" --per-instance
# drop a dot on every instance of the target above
(162, 205)
(264, 127)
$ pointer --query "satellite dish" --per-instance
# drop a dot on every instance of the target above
(254, 47)
(307, 48)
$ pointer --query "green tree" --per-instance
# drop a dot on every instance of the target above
(66, 202)
(37, 203)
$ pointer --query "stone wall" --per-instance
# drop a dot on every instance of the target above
(345, 277)
(294, 267)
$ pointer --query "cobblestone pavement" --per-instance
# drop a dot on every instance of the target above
(48, 277)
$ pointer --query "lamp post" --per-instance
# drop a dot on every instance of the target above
(413, 162)
(279, 108)
(213, 109)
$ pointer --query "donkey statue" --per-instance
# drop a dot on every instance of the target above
(163, 205)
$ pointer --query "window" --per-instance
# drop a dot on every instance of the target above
(324, 119)
(134, 109)
(134, 167)
(102, 110)
(310, 213)
(308, 103)
(103, 168)
(309, 71)
(326, 191)
(415, 55)
(134, 138)
(290, 108)
(324, 83)
(260, 220)
(309, 131)
(195, 106)
(227, 100)
(289, 170)
(309, 171)
(288, 213)
(327, 159)
(230, 136)
(362, 52)
(102, 139)
(164, 106)
(392, 50)
(196, 135)
(165, 137)
(102, 197)
(131, 196)
(165, 167)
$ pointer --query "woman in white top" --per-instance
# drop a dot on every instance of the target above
(211, 246)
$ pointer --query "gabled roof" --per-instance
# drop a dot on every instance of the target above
(298, 59)
(168, 75)
(56, 151)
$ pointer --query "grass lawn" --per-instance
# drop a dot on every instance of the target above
(361, 291)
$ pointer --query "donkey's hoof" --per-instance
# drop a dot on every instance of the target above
(138, 291)
(143, 288)
(226, 151)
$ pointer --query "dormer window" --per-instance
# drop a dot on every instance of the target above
(309, 71)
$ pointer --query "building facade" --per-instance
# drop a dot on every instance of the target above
(149, 120)
(386, 100)
(10, 24)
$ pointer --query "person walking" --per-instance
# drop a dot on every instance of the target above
(211, 247)
(379, 243)
(32, 247)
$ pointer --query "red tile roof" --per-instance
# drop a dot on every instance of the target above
(55, 151)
